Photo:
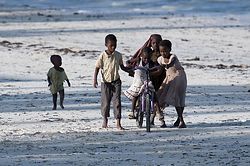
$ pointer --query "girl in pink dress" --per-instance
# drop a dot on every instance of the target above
(173, 89)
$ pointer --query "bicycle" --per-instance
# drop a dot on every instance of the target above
(145, 102)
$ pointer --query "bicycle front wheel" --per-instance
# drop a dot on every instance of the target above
(139, 113)
(147, 112)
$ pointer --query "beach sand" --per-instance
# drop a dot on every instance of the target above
(213, 50)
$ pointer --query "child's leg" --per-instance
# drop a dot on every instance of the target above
(105, 122)
(54, 101)
(152, 117)
(160, 113)
(116, 89)
(132, 115)
(177, 122)
(180, 117)
(156, 106)
(106, 96)
(118, 124)
(61, 93)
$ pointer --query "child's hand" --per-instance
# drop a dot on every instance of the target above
(165, 66)
(128, 63)
(95, 84)
(131, 72)
(68, 83)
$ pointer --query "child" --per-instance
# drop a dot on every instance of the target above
(173, 89)
(140, 76)
(109, 62)
(157, 76)
(56, 77)
(152, 42)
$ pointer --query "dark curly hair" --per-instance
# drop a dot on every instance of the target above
(166, 43)
(54, 58)
(148, 51)
(110, 37)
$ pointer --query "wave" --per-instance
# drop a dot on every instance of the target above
(132, 7)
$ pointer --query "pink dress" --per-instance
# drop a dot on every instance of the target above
(173, 89)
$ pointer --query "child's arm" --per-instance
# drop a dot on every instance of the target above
(156, 71)
(49, 81)
(126, 69)
(95, 83)
(170, 64)
(68, 82)
(132, 60)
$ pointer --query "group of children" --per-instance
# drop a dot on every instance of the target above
(167, 76)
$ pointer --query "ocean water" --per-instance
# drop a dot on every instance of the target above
(132, 7)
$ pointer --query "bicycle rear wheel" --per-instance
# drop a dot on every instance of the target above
(147, 112)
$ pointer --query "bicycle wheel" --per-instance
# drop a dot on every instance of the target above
(147, 112)
(139, 114)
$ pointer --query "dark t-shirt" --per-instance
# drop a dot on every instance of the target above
(156, 79)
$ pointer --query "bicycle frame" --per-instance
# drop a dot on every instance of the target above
(146, 104)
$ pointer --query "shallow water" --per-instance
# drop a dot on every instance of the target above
(133, 8)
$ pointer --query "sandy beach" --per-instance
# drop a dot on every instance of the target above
(213, 50)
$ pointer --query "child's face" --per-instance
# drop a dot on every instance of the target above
(111, 46)
(145, 58)
(155, 44)
(164, 51)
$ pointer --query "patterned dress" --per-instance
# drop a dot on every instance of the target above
(137, 86)
(173, 89)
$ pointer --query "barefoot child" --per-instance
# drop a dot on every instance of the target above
(56, 77)
(109, 62)
(173, 89)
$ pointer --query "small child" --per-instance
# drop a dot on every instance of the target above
(56, 77)
(109, 62)
(140, 76)
(173, 89)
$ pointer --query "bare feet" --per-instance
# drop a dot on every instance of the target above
(177, 122)
(131, 116)
(104, 126)
(182, 125)
(118, 124)
(163, 126)
(61, 106)
(105, 123)
(120, 128)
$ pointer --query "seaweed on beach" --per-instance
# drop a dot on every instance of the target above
(6, 43)
(216, 66)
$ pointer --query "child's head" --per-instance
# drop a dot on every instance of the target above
(146, 55)
(56, 60)
(110, 43)
(155, 39)
(165, 48)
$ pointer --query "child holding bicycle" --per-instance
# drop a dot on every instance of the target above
(140, 75)
(157, 76)
(173, 89)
